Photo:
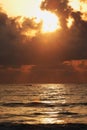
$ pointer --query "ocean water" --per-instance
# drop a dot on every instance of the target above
(43, 103)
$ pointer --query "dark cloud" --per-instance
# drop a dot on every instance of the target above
(66, 44)
(60, 7)
(74, 45)
(64, 72)
(48, 52)
(15, 47)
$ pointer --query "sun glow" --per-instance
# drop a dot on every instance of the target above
(78, 5)
(50, 21)
(75, 4)
(26, 8)
(31, 9)
(70, 21)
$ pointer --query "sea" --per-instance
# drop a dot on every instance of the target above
(42, 104)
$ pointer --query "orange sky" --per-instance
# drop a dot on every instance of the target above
(26, 8)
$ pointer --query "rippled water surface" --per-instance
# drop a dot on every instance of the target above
(43, 103)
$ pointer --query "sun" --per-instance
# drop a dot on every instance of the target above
(50, 22)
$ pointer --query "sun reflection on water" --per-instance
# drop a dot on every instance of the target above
(49, 120)
(43, 104)
(50, 97)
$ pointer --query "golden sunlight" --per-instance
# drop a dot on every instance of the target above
(50, 22)
(81, 6)
(70, 21)
(29, 33)
(84, 10)
(84, 17)
(31, 9)
(75, 4)
(78, 5)
(26, 8)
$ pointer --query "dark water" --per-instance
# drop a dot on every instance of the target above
(43, 104)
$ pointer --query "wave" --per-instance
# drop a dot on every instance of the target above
(32, 104)
(14, 126)
(42, 104)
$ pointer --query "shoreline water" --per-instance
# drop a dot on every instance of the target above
(43, 107)
(70, 126)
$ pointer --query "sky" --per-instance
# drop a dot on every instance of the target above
(43, 41)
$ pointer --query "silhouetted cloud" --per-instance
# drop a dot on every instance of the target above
(17, 48)
(22, 43)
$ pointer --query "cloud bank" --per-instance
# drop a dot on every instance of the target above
(62, 54)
